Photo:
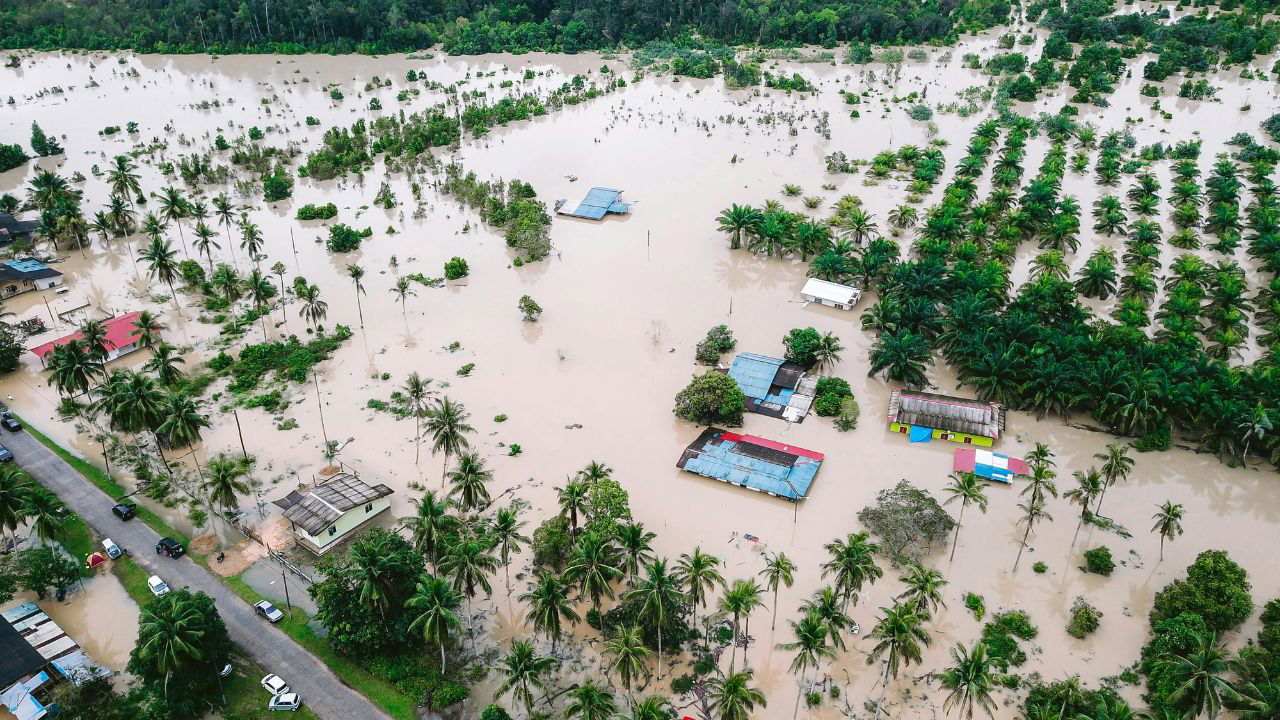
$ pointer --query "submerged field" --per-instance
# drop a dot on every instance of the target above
(625, 300)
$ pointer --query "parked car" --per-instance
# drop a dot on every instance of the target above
(268, 611)
(125, 510)
(113, 550)
(275, 685)
(170, 548)
(9, 422)
(5, 454)
(158, 586)
(285, 701)
(225, 671)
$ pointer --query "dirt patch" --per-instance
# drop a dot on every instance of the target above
(203, 545)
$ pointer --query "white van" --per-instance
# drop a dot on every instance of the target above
(113, 550)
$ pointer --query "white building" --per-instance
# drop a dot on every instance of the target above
(24, 274)
(333, 510)
(829, 293)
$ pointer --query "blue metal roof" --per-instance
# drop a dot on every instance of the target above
(722, 461)
(600, 200)
(26, 265)
(754, 373)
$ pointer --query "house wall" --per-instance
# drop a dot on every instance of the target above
(828, 303)
(121, 351)
(46, 283)
(962, 438)
(15, 287)
(350, 521)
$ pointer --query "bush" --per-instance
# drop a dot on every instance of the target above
(719, 340)
(847, 418)
(923, 113)
(1085, 619)
(682, 684)
(1271, 125)
(711, 398)
(344, 239)
(1040, 567)
(11, 156)
(311, 211)
(830, 394)
(529, 308)
(552, 542)
(976, 605)
(456, 268)
(450, 693)
(1216, 589)
(277, 185)
(494, 712)
(1001, 636)
(191, 272)
(801, 346)
(1098, 561)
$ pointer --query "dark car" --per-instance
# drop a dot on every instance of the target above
(125, 510)
(170, 548)
(9, 422)
(5, 454)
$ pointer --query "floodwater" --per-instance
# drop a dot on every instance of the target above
(98, 614)
(625, 302)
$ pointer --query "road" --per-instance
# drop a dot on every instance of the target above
(276, 652)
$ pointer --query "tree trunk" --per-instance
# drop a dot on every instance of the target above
(774, 624)
(1022, 547)
(358, 308)
(956, 540)
(1077, 534)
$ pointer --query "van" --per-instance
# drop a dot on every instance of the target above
(113, 550)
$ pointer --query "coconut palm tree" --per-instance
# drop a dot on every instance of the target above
(590, 702)
(164, 362)
(437, 604)
(1039, 482)
(148, 327)
(739, 600)
(181, 421)
(429, 526)
(651, 708)
(594, 566)
(923, 589)
(205, 244)
(1168, 523)
(223, 482)
(1197, 677)
(416, 390)
(549, 605)
(1088, 488)
(447, 423)
(162, 264)
(174, 208)
(733, 697)
(469, 480)
(403, 290)
(699, 575)
(122, 179)
(778, 570)
(827, 604)
(968, 488)
(634, 541)
(970, 681)
(594, 472)
(810, 645)
(470, 563)
(313, 309)
(73, 367)
(356, 273)
(522, 672)
(169, 630)
(123, 219)
(14, 490)
(46, 513)
(827, 352)
(659, 597)
(260, 291)
(250, 238)
(629, 658)
(737, 220)
(573, 499)
(1116, 465)
(507, 540)
(1032, 512)
(900, 636)
(852, 564)
(225, 279)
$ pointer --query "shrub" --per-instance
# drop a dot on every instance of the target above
(311, 211)
(529, 308)
(344, 239)
(11, 156)
(1098, 561)
(1002, 634)
(682, 684)
(1085, 619)
(465, 370)
(1271, 125)
(552, 542)
(830, 394)
(448, 694)
(922, 113)
(1216, 589)
(494, 712)
(976, 605)
(191, 271)
(719, 340)
(801, 346)
(456, 268)
(847, 418)
(711, 398)
(1040, 567)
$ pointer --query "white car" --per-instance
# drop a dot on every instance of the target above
(158, 586)
(285, 701)
(268, 611)
(275, 685)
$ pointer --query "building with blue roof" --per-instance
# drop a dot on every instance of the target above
(598, 202)
(24, 274)
(773, 386)
(766, 466)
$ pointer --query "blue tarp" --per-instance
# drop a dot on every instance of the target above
(921, 434)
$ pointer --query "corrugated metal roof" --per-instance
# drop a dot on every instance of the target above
(943, 412)
(752, 462)
(599, 200)
(326, 503)
(754, 373)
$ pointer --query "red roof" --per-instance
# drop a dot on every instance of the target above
(120, 332)
(754, 440)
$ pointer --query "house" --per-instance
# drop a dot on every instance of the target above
(927, 416)
(333, 510)
(34, 651)
(773, 468)
(23, 274)
(832, 294)
(989, 465)
(773, 386)
(122, 338)
(14, 230)
(598, 201)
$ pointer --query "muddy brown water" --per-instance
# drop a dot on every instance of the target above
(625, 302)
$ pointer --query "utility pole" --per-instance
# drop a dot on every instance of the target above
(240, 432)
(320, 405)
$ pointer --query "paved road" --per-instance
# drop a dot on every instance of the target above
(276, 652)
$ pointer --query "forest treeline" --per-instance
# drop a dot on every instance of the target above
(478, 26)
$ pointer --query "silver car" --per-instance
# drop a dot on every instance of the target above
(285, 701)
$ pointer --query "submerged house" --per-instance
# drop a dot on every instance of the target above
(34, 654)
(773, 386)
(333, 510)
(989, 465)
(780, 470)
(831, 294)
(14, 230)
(598, 202)
(23, 274)
(928, 416)
(121, 339)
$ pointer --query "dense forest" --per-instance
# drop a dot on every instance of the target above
(477, 26)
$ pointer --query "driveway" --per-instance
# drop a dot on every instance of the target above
(276, 652)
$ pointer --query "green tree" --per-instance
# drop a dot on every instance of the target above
(15, 488)
(403, 290)
(902, 356)
(711, 398)
(162, 264)
(1088, 488)
(1032, 512)
(181, 421)
(469, 483)
(739, 600)
(437, 616)
(732, 695)
(634, 541)
(523, 671)
(802, 346)
(1199, 687)
(629, 656)
(356, 273)
(900, 637)
(699, 575)
(1116, 465)
(967, 488)
(590, 702)
(658, 595)
(778, 570)
(224, 482)
(852, 564)
(810, 646)
(447, 423)
(46, 513)
(430, 526)
(922, 589)
(164, 362)
(594, 566)
(1168, 522)
(573, 500)
(507, 540)
(738, 220)
(548, 602)
(970, 681)
(182, 642)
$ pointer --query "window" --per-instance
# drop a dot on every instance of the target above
(968, 440)
(333, 530)
(368, 508)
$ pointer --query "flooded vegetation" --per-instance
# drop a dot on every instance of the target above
(355, 264)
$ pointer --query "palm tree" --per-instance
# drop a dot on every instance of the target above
(416, 390)
(162, 264)
(260, 290)
(148, 327)
(205, 244)
(448, 426)
(970, 681)
(659, 596)
(573, 499)
(590, 702)
(923, 589)
(73, 367)
(506, 537)
(468, 479)
(356, 273)
(122, 218)
(699, 575)
(827, 353)
(732, 697)
(172, 630)
(903, 217)
(629, 656)
(651, 708)
(313, 309)
(778, 570)
(1088, 488)
(594, 472)
(182, 420)
(738, 219)
(902, 356)
(810, 645)
(968, 488)
(470, 563)
(593, 567)
(122, 178)
(634, 541)
(1255, 427)
(1116, 465)
(739, 600)
(46, 513)
(403, 290)
(827, 604)
(224, 482)
(852, 564)
(1032, 512)
(549, 604)
(250, 238)
(174, 208)
(1039, 483)
(900, 636)
(1196, 677)
(164, 364)
(1168, 524)
(438, 604)
(429, 526)
(14, 489)
(522, 670)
